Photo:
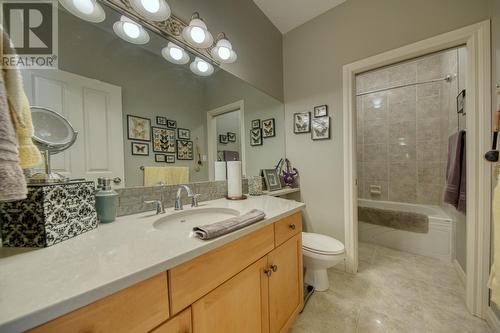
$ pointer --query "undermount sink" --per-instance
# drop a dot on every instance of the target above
(198, 216)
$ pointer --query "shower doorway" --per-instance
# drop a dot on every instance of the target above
(475, 40)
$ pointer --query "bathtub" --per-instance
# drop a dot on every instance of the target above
(437, 242)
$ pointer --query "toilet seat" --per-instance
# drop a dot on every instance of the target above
(321, 244)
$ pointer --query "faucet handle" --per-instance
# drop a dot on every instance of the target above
(194, 200)
(158, 206)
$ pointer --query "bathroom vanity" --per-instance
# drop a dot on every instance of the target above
(145, 273)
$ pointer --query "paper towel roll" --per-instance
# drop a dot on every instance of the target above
(220, 170)
(234, 188)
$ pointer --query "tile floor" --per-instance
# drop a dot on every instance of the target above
(394, 291)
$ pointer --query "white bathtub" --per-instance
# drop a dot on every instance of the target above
(437, 243)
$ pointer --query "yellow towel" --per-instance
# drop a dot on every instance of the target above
(166, 175)
(494, 280)
(29, 155)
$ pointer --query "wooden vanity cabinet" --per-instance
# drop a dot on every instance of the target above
(178, 324)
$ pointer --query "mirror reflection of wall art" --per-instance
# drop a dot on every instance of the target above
(183, 134)
(171, 123)
(256, 137)
(138, 128)
(139, 148)
(163, 140)
(268, 128)
(320, 128)
(272, 179)
(321, 111)
(162, 121)
(256, 123)
(184, 150)
(302, 122)
(223, 139)
(159, 158)
(231, 137)
(170, 159)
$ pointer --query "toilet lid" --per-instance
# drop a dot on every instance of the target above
(321, 244)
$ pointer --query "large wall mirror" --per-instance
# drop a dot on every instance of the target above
(135, 110)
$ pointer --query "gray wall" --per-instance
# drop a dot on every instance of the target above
(314, 54)
(229, 122)
(256, 40)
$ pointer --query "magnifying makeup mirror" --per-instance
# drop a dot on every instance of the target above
(52, 134)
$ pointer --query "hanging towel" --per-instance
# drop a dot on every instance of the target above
(494, 280)
(231, 155)
(462, 202)
(454, 168)
(12, 182)
(166, 175)
(29, 155)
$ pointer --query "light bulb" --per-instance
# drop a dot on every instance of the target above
(131, 29)
(84, 6)
(176, 53)
(197, 34)
(152, 6)
(224, 53)
(202, 66)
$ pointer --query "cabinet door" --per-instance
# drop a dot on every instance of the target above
(179, 324)
(239, 305)
(286, 293)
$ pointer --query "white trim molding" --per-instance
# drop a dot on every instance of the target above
(476, 38)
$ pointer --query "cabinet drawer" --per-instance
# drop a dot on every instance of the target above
(139, 308)
(287, 228)
(179, 324)
(192, 280)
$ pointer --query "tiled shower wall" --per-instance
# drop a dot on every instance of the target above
(403, 132)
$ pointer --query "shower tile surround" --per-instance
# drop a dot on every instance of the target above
(403, 132)
(131, 200)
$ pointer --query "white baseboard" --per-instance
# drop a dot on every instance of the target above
(492, 320)
(460, 272)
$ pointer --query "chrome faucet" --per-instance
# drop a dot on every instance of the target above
(178, 199)
(158, 205)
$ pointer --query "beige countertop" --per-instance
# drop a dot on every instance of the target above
(38, 285)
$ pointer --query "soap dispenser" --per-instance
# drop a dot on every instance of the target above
(106, 202)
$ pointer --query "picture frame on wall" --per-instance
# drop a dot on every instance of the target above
(160, 158)
(138, 128)
(169, 158)
(223, 139)
(184, 150)
(256, 123)
(302, 122)
(320, 111)
(272, 179)
(320, 128)
(162, 121)
(171, 123)
(163, 140)
(256, 137)
(140, 149)
(183, 134)
(231, 137)
(268, 128)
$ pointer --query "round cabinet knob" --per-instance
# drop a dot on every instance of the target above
(292, 226)
(268, 272)
(274, 268)
(117, 180)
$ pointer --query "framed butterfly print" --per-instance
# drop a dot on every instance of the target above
(320, 128)
(321, 111)
(184, 150)
(170, 158)
(256, 137)
(160, 158)
(139, 148)
(171, 123)
(163, 140)
(231, 137)
(268, 128)
(162, 121)
(223, 139)
(301, 122)
(183, 134)
(138, 128)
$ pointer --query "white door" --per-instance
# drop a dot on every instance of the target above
(94, 109)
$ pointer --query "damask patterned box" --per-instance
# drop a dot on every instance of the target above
(50, 214)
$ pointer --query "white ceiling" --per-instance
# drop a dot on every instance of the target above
(289, 14)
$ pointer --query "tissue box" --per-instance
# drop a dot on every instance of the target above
(51, 214)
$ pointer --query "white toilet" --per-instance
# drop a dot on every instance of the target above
(320, 253)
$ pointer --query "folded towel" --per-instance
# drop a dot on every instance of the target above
(454, 168)
(210, 231)
(29, 155)
(166, 175)
(13, 185)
